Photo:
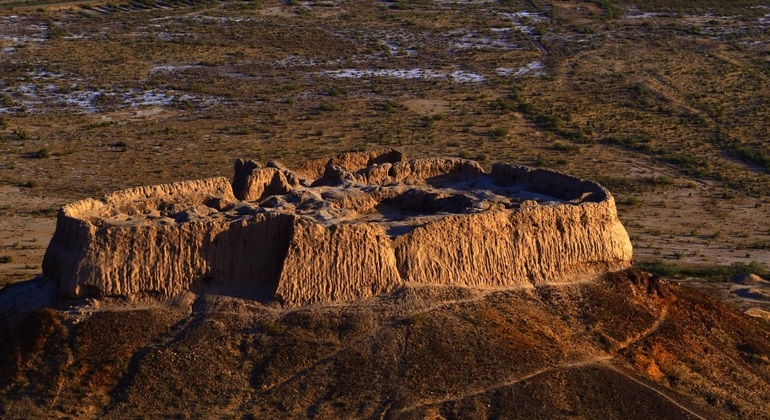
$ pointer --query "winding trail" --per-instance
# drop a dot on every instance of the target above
(654, 327)
(655, 390)
(480, 296)
(592, 360)
(510, 382)
(374, 333)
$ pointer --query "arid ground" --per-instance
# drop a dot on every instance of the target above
(663, 102)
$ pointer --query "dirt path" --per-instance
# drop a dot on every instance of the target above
(654, 327)
(374, 333)
(655, 390)
(593, 360)
(482, 295)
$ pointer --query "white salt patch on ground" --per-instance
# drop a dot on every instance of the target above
(147, 98)
(394, 73)
(45, 75)
(648, 15)
(38, 100)
(463, 1)
(172, 69)
(83, 100)
(475, 40)
(521, 20)
(458, 76)
(393, 49)
(295, 60)
(220, 19)
(22, 39)
(466, 77)
(534, 68)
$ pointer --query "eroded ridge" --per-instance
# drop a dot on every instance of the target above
(341, 229)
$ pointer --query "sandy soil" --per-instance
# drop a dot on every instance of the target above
(428, 106)
(26, 226)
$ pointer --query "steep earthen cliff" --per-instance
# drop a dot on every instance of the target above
(363, 225)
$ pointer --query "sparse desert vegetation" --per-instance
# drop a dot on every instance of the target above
(664, 102)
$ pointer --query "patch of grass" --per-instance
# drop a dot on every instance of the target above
(541, 160)
(499, 132)
(611, 10)
(633, 184)
(630, 201)
(570, 148)
(46, 212)
(6, 101)
(390, 106)
(505, 104)
(666, 269)
(21, 134)
(273, 328)
(547, 122)
(754, 156)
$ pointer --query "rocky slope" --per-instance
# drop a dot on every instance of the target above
(623, 346)
(342, 229)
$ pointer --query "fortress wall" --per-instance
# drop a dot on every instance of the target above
(299, 261)
(351, 162)
(243, 256)
(550, 182)
(537, 245)
(337, 263)
(251, 182)
(417, 171)
(246, 258)
(126, 260)
(194, 192)
(262, 182)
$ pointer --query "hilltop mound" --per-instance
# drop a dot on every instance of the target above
(626, 345)
(340, 229)
(477, 297)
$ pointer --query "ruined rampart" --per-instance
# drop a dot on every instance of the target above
(341, 229)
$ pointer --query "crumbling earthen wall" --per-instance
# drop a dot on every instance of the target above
(348, 233)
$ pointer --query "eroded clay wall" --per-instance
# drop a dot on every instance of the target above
(536, 245)
(298, 260)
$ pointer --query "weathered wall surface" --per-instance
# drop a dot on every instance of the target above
(337, 263)
(536, 245)
(342, 240)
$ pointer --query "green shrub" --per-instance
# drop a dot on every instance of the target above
(500, 132)
(21, 135)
